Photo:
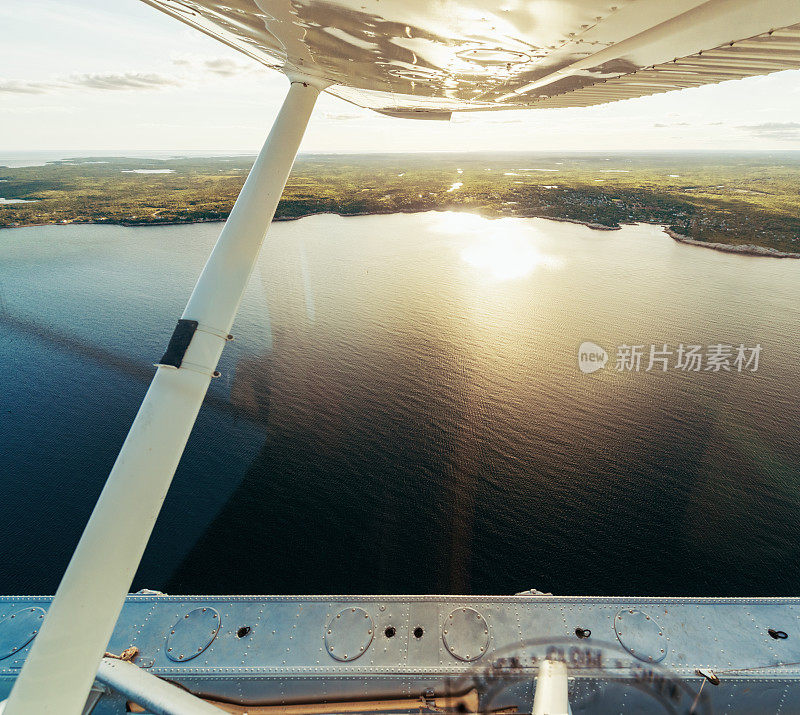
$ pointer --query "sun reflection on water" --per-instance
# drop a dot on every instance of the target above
(504, 249)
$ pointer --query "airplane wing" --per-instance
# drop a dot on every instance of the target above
(428, 58)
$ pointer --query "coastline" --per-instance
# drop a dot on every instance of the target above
(739, 249)
(588, 224)
(747, 249)
(144, 224)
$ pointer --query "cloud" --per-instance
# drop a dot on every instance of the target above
(226, 67)
(17, 86)
(107, 81)
(672, 124)
(220, 66)
(782, 131)
(130, 81)
(341, 116)
(125, 81)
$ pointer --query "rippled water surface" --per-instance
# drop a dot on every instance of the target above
(402, 410)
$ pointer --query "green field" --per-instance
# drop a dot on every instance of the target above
(725, 198)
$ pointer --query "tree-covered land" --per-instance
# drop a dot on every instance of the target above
(725, 198)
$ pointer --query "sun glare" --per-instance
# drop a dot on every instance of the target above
(503, 249)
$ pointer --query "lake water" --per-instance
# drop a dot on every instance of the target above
(402, 410)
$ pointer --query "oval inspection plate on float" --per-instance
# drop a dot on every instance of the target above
(19, 629)
(640, 635)
(192, 634)
(465, 634)
(349, 634)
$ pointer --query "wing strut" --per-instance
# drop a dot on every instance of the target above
(64, 658)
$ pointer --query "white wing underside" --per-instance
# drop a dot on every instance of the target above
(427, 58)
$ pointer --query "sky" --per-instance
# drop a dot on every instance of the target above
(117, 75)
